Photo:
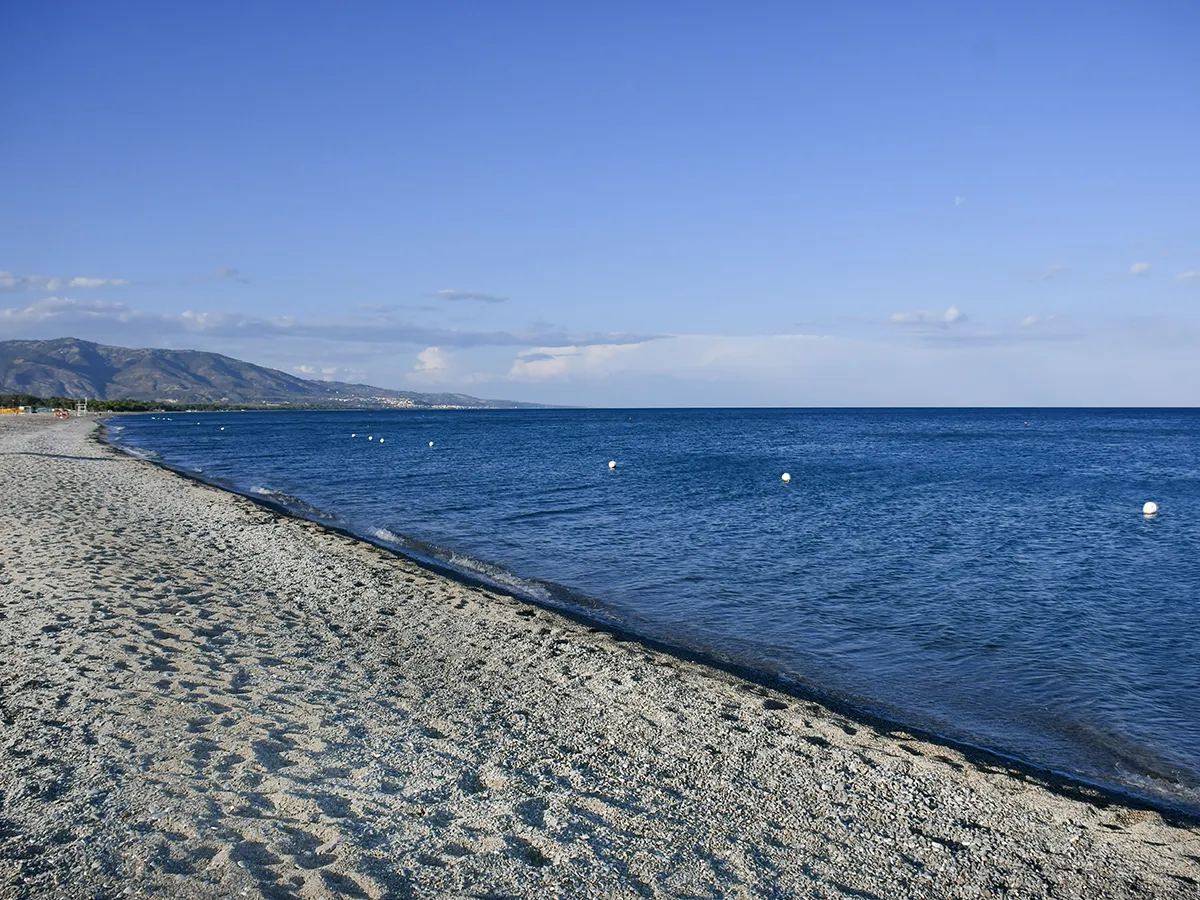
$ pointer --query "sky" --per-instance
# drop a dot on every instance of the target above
(620, 204)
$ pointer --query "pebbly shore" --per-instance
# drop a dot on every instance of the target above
(200, 697)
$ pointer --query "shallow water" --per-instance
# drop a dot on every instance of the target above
(984, 574)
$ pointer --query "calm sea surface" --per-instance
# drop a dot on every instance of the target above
(984, 574)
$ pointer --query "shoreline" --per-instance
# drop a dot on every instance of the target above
(1064, 783)
(285, 681)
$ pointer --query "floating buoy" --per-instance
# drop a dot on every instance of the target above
(370, 437)
(354, 435)
(431, 443)
(612, 464)
(1150, 509)
(381, 440)
(222, 427)
(787, 479)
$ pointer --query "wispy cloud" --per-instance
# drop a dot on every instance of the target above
(55, 316)
(389, 308)
(219, 273)
(1193, 275)
(15, 283)
(324, 373)
(927, 317)
(1140, 268)
(448, 294)
(225, 274)
(724, 370)
(1051, 272)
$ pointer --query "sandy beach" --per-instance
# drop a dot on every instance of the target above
(202, 698)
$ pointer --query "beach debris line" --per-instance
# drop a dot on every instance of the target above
(787, 478)
(1150, 509)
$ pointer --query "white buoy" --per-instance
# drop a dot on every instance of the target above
(1150, 509)
(431, 443)
(222, 427)
(370, 437)
(612, 464)
(354, 435)
(787, 479)
(381, 440)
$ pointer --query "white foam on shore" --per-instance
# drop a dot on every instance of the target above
(138, 452)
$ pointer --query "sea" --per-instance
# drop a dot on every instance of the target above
(984, 575)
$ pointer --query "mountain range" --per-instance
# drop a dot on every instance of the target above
(69, 367)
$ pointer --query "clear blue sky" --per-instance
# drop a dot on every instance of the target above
(619, 204)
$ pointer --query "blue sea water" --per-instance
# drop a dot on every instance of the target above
(987, 575)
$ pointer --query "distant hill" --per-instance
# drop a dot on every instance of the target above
(69, 367)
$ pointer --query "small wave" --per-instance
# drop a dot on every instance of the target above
(292, 503)
(139, 452)
(546, 593)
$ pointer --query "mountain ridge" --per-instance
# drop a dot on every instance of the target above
(71, 367)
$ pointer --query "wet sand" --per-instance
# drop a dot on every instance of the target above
(202, 698)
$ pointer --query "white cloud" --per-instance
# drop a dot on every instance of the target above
(1141, 268)
(926, 317)
(436, 366)
(1193, 275)
(14, 283)
(558, 362)
(1031, 321)
(448, 294)
(431, 359)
